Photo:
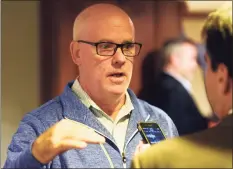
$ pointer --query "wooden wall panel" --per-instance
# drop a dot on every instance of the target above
(167, 21)
(48, 53)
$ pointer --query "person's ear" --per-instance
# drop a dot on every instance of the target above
(175, 59)
(74, 51)
(223, 78)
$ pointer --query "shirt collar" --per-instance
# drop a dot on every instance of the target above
(82, 95)
(88, 102)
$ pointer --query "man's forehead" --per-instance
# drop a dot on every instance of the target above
(124, 40)
(102, 12)
(114, 37)
(103, 21)
(112, 31)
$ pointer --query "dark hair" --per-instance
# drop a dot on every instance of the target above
(217, 32)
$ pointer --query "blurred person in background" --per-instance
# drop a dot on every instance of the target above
(150, 69)
(93, 123)
(211, 148)
(171, 90)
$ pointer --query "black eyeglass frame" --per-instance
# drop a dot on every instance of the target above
(117, 46)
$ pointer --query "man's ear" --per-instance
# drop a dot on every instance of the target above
(175, 60)
(74, 51)
(223, 77)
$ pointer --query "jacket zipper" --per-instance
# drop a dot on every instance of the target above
(123, 153)
(96, 132)
(124, 160)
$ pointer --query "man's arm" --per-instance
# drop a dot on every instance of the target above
(19, 153)
(31, 149)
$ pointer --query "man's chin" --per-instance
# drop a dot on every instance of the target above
(117, 90)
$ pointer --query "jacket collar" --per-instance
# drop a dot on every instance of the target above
(74, 109)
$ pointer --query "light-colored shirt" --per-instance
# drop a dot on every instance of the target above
(184, 82)
(117, 127)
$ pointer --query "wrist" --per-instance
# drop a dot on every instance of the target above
(37, 154)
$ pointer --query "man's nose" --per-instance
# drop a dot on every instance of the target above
(119, 58)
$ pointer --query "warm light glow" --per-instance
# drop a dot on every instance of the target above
(204, 6)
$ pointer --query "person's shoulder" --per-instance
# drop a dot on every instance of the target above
(144, 106)
(155, 112)
(49, 112)
(147, 108)
(166, 84)
(160, 117)
(172, 152)
(49, 106)
(158, 155)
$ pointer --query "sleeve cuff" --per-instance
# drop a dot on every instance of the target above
(27, 159)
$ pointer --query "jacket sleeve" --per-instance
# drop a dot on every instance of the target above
(171, 127)
(165, 122)
(19, 154)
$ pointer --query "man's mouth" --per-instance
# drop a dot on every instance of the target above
(117, 77)
(117, 74)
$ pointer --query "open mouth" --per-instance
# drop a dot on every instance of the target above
(117, 77)
(117, 74)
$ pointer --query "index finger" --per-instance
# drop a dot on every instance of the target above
(90, 136)
(87, 134)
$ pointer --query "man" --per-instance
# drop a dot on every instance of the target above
(171, 91)
(211, 148)
(93, 124)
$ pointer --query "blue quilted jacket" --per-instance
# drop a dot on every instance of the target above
(106, 155)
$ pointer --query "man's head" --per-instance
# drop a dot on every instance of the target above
(218, 37)
(180, 56)
(103, 73)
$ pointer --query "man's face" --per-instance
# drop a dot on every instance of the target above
(216, 88)
(188, 61)
(211, 84)
(103, 75)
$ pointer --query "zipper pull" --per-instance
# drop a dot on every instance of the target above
(123, 157)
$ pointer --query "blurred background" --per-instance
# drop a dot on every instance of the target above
(36, 64)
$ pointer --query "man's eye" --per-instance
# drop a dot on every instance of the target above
(106, 46)
(129, 46)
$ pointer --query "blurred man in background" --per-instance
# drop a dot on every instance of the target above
(93, 123)
(171, 91)
(211, 148)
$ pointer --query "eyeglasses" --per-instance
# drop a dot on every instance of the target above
(109, 48)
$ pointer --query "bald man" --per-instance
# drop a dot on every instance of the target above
(93, 123)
